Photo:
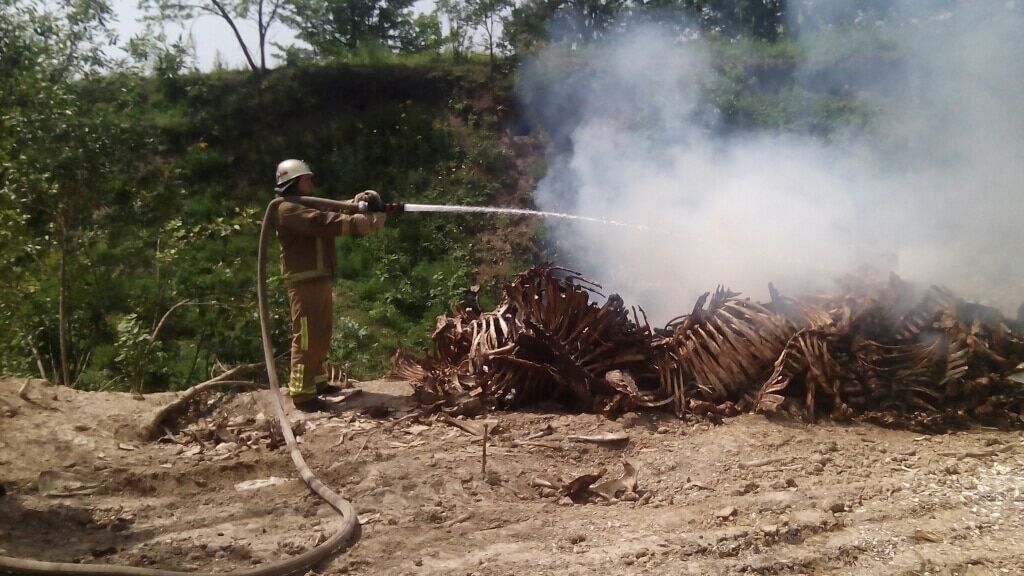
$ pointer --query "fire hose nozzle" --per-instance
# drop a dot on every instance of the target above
(388, 208)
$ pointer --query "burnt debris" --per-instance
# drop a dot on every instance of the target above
(879, 352)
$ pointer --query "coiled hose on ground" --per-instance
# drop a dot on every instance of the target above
(349, 529)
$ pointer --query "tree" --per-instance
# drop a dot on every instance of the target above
(590, 19)
(61, 159)
(527, 24)
(332, 27)
(580, 21)
(456, 14)
(489, 16)
(423, 34)
(762, 19)
(570, 21)
(263, 13)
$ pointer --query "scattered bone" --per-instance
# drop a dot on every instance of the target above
(762, 462)
(726, 513)
(547, 430)
(538, 444)
(404, 445)
(577, 488)
(927, 536)
(472, 428)
(23, 391)
(620, 486)
(585, 487)
(260, 483)
(369, 519)
(978, 453)
(540, 483)
(605, 438)
(416, 430)
(458, 520)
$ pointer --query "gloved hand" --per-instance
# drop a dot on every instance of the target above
(370, 197)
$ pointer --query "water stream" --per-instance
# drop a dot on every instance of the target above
(517, 212)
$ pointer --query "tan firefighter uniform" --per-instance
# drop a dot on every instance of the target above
(308, 262)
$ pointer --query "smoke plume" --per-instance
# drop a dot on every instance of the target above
(929, 188)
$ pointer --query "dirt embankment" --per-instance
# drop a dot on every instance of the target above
(751, 496)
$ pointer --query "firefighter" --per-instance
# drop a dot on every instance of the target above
(308, 262)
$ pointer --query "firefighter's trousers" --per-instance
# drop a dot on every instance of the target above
(312, 323)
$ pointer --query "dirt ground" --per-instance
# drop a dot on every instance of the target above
(751, 496)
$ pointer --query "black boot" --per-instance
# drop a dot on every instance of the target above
(330, 390)
(311, 405)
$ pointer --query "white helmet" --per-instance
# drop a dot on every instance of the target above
(290, 170)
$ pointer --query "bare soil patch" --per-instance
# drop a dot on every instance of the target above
(753, 495)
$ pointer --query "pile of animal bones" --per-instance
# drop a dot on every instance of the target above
(882, 352)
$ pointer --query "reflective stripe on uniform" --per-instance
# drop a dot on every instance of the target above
(295, 382)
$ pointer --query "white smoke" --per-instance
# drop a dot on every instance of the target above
(931, 190)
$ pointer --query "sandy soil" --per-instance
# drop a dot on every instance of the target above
(751, 496)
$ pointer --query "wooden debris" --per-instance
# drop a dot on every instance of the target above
(874, 351)
(547, 340)
(154, 428)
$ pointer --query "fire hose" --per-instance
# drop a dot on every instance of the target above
(349, 529)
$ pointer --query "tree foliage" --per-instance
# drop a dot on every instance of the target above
(576, 22)
(489, 17)
(261, 13)
(62, 159)
(336, 27)
(763, 19)
(459, 26)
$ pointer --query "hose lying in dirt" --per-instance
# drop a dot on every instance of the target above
(349, 530)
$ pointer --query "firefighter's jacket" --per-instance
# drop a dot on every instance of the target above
(307, 239)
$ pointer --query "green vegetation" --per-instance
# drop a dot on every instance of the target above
(161, 202)
(132, 190)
